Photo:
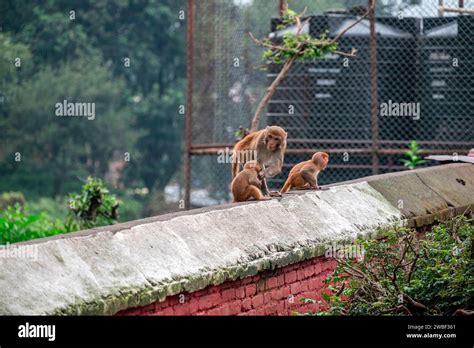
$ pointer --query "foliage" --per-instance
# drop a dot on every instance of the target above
(403, 274)
(303, 45)
(312, 48)
(9, 51)
(414, 158)
(54, 208)
(241, 133)
(287, 19)
(94, 206)
(10, 199)
(67, 144)
(158, 146)
(83, 60)
(16, 225)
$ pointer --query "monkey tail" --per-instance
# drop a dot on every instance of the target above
(235, 165)
(286, 186)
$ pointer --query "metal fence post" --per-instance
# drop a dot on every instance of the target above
(374, 91)
(282, 6)
(189, 107)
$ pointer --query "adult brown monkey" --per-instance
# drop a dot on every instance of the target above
(267, 146)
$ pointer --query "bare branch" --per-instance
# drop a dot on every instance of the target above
(353, 53)
(464, 312)
(353, 24)
(265, 44)
(301, 14)
(396, 309)
(343, 286)
(269, 92)
(415, 304)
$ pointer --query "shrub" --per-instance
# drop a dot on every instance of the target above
(403, 274)
(10, 199)
(94, 206)
(17, 225)
(414, 158)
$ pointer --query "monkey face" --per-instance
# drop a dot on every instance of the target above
(274, 138)
(273, 142)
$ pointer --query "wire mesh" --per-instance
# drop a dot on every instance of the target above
(424, 70)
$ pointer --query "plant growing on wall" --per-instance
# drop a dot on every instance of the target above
(94, 206)
(296, 46)
(403, 274)
(414, 158)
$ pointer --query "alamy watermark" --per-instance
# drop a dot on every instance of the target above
(19, 252)
(345, 251)
(28, 330)
(395, 109)
(75, 109)
(243, 156)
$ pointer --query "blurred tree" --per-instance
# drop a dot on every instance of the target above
(9, 52)
(65, 144)
(9, 74)
(127, 56)
(151, 36)
(159, 145)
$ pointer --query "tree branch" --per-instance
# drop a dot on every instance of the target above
(416, 305)
(353, 24)
(287, 65)
(269, 93)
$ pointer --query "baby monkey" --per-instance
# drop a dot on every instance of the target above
(248, 182)
(304, 175)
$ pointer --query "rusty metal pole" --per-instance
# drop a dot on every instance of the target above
(440, 8)
(374, 108)
(282, 6)
(189, 106)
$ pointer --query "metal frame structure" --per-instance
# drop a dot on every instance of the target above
(188, 125)
(460, 9)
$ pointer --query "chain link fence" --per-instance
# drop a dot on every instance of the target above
(419, 77)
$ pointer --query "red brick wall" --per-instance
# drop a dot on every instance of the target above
(275, 292)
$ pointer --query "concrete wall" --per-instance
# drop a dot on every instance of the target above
(151, 266)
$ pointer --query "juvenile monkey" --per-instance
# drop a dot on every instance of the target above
(247, 183)
(305, 174)
(267, 146)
